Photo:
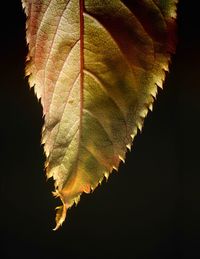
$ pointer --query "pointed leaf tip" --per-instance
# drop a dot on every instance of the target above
(60, 216)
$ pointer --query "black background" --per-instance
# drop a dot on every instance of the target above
(150, 209)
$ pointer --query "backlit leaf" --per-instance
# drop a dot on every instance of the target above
(96, 66)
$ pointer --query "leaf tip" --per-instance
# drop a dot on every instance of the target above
(60, 216)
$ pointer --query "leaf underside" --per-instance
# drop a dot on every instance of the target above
(96, 66)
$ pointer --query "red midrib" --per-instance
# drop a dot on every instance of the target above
(81, 5)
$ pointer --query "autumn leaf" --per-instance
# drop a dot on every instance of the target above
(96, 66)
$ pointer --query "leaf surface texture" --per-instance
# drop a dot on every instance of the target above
(95, 65)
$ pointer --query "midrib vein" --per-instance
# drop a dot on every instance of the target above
(81, 4)
(81, 8)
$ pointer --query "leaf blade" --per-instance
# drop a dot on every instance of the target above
(96, 66)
